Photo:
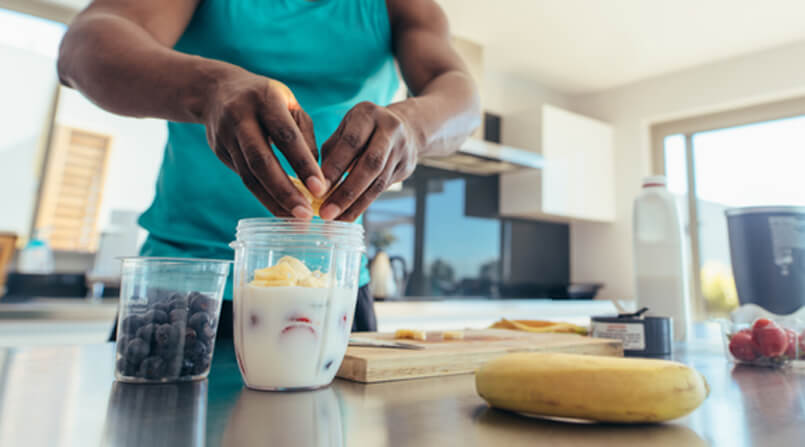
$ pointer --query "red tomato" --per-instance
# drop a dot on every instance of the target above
(761, 323)
(772, 340)
(743, 347)
(791, 351)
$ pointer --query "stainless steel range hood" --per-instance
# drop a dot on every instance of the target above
(480, 157)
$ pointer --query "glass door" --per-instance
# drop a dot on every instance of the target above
(755, 164)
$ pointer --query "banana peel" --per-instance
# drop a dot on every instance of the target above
(539, 326)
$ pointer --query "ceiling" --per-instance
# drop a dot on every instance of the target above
(580, 46)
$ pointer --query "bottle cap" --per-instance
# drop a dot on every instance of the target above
(655, 181)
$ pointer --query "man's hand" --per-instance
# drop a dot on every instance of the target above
(244, 115)
(381, 145)
(378, 146)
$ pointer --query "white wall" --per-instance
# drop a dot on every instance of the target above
(27, 84)
(506, 94)
(602, 252)
(137, 149)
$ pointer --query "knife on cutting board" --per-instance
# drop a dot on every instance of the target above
(365, 342)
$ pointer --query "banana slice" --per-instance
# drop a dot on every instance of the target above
(315, 202)
(290, 271)
(411, 334)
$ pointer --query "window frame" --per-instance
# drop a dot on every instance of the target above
(687, 127)
(45, 10)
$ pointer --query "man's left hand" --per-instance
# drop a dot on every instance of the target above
(378, 146)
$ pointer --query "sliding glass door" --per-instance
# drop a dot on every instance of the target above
(728, 160)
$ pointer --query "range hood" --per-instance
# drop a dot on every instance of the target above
(479, 157)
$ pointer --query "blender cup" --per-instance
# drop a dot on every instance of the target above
(169, 309)
(295, 288)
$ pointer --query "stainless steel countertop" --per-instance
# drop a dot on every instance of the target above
(66, 396)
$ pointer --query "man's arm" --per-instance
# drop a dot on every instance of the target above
(119, 54)
(383, 143)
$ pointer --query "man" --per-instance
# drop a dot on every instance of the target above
(234, 77)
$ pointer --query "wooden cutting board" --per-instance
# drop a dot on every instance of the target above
(440, 357)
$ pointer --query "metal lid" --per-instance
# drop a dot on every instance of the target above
(777, 209)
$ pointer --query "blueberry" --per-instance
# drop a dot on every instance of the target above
(125, 368)
(146, 333)
(167, 352)
(137, 350)
(167, 335)
(156, 316)
(131, 323)
(189, 337)
(199, 321)
(207, 333)
(201, 303)
(121, 343)
(173, 365)
(201, 365)
(152, 368)
(196, 351)
(187, 367)
(178, 316)
(164, 307)
(178, 302)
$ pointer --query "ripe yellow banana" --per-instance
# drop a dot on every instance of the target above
(607, 389)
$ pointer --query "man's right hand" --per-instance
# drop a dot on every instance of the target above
(244, 114)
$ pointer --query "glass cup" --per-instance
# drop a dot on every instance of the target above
(295, 288)
(169, 309)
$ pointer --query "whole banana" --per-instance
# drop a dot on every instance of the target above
(606, 389)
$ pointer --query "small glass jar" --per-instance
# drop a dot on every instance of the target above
(295, 288)
(168, 318)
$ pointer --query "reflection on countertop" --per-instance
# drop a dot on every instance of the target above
(138, 415)
(310, 418)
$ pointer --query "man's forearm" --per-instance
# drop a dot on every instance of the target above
(445, 112)
(124, 70)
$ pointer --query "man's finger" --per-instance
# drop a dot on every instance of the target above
(367, 169)
(345, 145)
(253, 185)
(360, 205)
(305, 124)
(266, 170)
(288, 138)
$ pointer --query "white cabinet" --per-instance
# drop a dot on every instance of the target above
(577, 181)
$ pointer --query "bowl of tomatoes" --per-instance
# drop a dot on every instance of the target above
(757, 337)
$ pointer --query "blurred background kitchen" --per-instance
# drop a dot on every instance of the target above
(582, 100)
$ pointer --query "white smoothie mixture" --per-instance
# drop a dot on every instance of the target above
(291, 327)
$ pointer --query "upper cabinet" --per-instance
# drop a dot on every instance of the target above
(577, 181)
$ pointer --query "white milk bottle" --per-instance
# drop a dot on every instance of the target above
(659, 257)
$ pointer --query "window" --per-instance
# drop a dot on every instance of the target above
(71, 192)
(747, 157)
(462, 253)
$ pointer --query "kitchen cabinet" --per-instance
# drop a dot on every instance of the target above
(577, 180)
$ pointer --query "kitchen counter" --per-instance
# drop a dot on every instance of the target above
(66, 396)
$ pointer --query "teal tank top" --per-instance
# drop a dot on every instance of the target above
(332, 54)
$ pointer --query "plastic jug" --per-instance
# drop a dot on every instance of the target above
(659, 256)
